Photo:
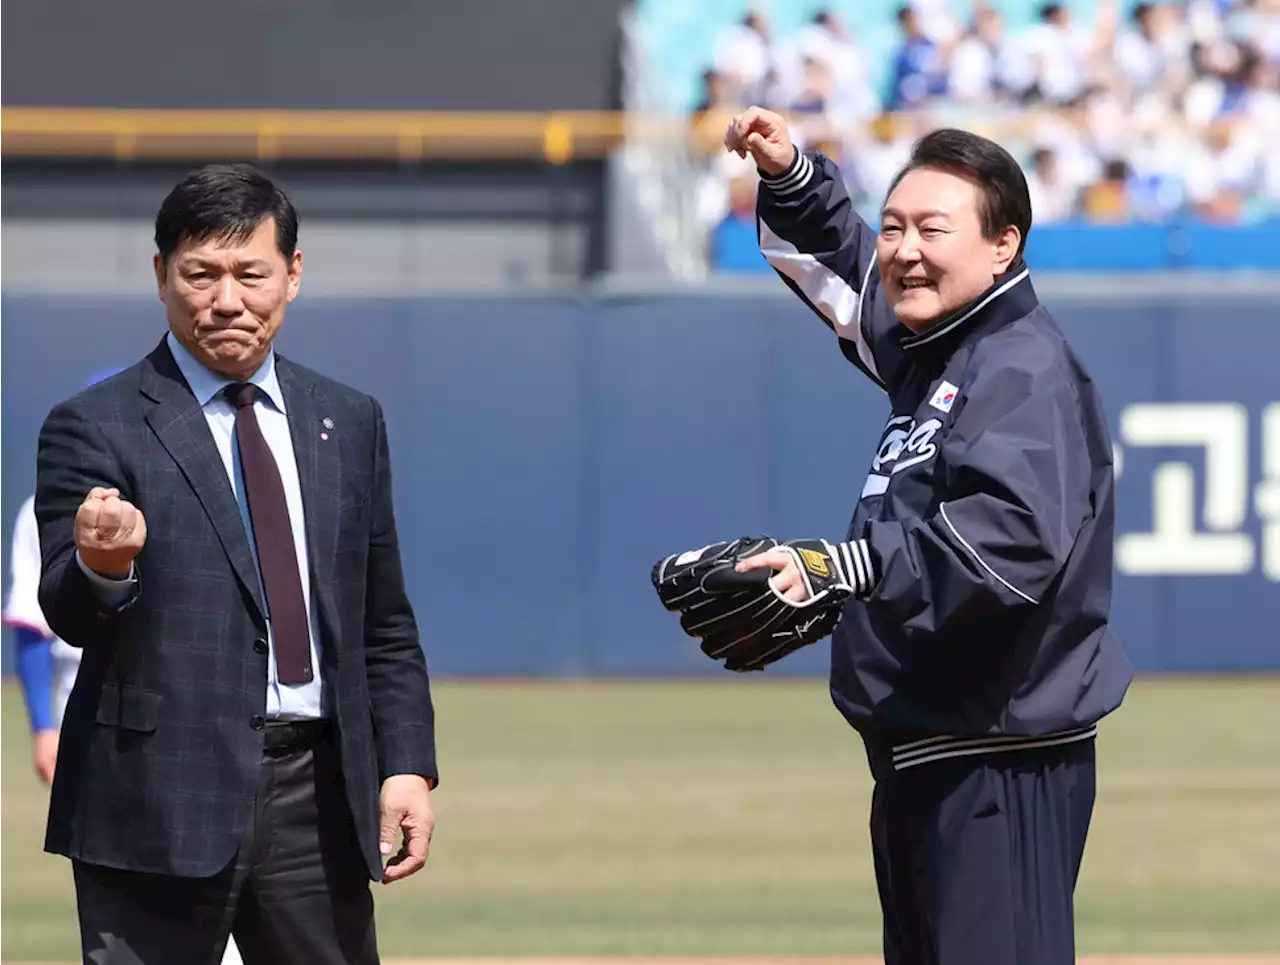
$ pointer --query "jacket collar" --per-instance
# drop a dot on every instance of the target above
(1009, 298)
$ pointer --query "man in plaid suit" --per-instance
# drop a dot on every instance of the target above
(252, 724)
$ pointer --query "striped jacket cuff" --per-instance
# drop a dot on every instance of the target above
(793, 179)
(855, 559)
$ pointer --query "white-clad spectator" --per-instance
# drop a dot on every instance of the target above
(1109, 122)
(826, 39)
(1211, 65)
(1155, 52)
(1257, 24)
(1223, 171)
(817, 90)
(937, 20)
(1238, 73)
(1269, 186)
(1204, 19)
(1062, 54)
(1053, 197)
(1260, 103)
(712, 195)
(744, 52)
(1066, 134)
(981, 65)
(1157, 156)
(877, 158)
(813, 112)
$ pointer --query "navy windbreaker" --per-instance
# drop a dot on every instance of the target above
(986, 518)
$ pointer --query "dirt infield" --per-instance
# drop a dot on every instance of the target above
(1271, 959)
(1259, 959)
(1262, 959)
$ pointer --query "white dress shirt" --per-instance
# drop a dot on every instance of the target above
(284, 701)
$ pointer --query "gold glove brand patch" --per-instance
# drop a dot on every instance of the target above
(814, 562)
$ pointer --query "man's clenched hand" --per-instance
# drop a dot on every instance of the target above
(764, 135)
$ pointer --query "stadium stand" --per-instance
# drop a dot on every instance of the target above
(1158, 118)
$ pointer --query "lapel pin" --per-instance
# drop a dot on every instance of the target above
(328, 424)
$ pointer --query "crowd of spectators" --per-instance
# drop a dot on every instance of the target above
(1168, 111)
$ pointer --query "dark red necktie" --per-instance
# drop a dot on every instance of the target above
(277, 556)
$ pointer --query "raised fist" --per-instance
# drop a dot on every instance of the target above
(764, 135)
(110, 532)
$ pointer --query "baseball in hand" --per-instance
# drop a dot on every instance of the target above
(764, 135)
(110, 532)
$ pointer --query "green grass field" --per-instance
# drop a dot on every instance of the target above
(729, 818)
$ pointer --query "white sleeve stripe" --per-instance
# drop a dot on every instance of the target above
(854, 566)
(793, 180)
(942, 508)
(799, 181)
(791, 169)
(826, 291)
(796, 182)
(865, 548)
(861, 557)
(787, 179)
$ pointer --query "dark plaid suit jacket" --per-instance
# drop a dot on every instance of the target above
(161, 743)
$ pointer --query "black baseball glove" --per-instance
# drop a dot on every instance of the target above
(739, 617)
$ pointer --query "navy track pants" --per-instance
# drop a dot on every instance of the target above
(976, 857)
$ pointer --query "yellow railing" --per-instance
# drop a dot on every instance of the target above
(127, 134)
(407, 136)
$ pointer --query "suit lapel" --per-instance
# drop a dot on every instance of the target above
(179, 423)
(317, 452)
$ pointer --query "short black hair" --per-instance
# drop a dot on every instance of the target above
(226, 202)
(1050, 10)
(1005, 199)
(1117, 169)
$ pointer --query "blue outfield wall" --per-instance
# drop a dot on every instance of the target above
(1081, 247)
(548, 449)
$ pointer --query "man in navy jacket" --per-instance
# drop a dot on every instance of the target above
(976, 658)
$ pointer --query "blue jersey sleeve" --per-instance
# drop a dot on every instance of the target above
(35, 675)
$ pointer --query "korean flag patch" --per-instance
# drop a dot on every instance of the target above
(945, 397)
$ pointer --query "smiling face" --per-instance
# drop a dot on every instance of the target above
(931, 250)
(225, 297)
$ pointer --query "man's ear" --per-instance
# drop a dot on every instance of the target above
(295, 275)
(162, 274)
(1006, 249)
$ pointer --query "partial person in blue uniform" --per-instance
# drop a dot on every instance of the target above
(46, 666)
(975, 657)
